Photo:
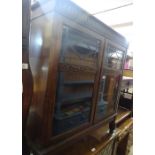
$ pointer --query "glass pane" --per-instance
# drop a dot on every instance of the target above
(75, 87)
(114, 57)
(107, 95)
(79, 48)
(73, 101)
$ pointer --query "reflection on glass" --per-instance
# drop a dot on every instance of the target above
(114, 57)
(113, 63)
(107, 95)
(73, 100)
(75, 88)
(79, 48)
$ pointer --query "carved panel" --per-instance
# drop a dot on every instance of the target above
(75, 68)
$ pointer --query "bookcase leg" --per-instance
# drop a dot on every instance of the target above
(112, 126)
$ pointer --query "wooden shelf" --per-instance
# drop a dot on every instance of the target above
(79, 82)
(125, 125)
(76, 96)
(63, 116)
(124, 129)
(122, 114)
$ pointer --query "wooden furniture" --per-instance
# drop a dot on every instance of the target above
(26, 72)
(91, 146)
(124, 128)
(100, 142)
(77, 63)
(126, 97)
(122, 115)
(124, 142)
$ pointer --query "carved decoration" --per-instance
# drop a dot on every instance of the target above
(75, 68)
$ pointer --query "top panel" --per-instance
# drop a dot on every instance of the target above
(75, 13)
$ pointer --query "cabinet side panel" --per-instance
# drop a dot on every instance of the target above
(40, 52)
(26, 72)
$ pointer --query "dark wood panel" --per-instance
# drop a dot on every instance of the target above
(25, 21)
(123, 137)
(122, 115)
(90, 146)
(40, 58)
(63, 141)
(26, 72)
(27, 81)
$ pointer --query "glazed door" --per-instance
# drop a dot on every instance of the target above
(76, 77)
(109, 82)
